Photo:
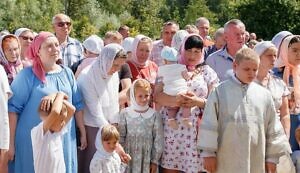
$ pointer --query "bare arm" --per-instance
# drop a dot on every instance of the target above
(163, 99)
(13, 119)
(126, 83)
(80, 125)
(285, 116)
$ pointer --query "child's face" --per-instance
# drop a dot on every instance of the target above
(110, 145)
(142, 96)
(246, 70)
(294, 54)
(143, 51)
(267, 59)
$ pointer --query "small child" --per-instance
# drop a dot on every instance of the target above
(106, 160)
(55, 112)
(240, 123)
(141, 131)
(174, 77)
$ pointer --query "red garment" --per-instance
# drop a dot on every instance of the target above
(148, 72)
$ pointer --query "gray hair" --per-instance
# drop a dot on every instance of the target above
(233, 22)
(200, 20)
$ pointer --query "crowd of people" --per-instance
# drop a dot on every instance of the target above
(119, 104)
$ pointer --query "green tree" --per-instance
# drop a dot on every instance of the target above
(266, 18)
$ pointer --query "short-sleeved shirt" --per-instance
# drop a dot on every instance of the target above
(221, 62)
(124, 73)
(72, 52)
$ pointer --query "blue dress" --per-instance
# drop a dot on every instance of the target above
(28, 91)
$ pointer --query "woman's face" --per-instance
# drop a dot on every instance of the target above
(267, 59)
(11, 50)
(142, 96)
(294, 54)
(143, 51)
(193, 56)
(26, 39)
(116, 66)
(49, 51)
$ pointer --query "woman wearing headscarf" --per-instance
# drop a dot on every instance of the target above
(100, 95)
(140, 65)
(288, 69)
(44, 77)
(180, 151)
(279, 90)
(10, 56)
(25, 37)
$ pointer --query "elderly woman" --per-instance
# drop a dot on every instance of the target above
(10, 56)
(180, 152)
(100, 96)
(29, 87)
(25, 36)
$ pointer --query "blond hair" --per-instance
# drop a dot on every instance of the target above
(109, 132)
(246, 54)
(113, 37)
(142, 84)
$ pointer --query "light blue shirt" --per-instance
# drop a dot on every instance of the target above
(221, 62)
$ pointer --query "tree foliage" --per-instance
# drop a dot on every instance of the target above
(266, 18)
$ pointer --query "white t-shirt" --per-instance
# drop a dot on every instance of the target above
(47, 148)
(172, 78)
(5, 93)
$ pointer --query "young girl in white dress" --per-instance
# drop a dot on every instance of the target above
(106, 160)
(141, 131)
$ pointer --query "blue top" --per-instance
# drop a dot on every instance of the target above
(28, 91)
(221, 62)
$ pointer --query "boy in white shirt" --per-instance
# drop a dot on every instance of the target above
(55, 112)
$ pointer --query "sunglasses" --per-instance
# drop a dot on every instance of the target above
(62, 24)
(27, 38)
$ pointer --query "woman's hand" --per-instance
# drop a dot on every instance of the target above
(125, 158)
(11, 153)
(83, 141)
(189, 100)
(153, 168)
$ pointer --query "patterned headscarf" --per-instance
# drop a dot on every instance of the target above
(135, 44)
(32, 53)
(11, 68)
(182, 50)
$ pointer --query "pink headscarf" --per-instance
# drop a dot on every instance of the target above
(182, 50)
(290, 68)
(135, 44)
(11, 68)
(32, 53)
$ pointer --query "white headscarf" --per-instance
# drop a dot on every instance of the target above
(134, 106)
(261, 47)
(135, 44)
(93, 44)
(178, 38)
(277, 41)
(101, 152)
(19, 31)
(107, 85)
(127, 44)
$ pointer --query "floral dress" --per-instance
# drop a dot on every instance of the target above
(180, 149)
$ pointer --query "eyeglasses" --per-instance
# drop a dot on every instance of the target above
(26, 38)
(62, 24)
